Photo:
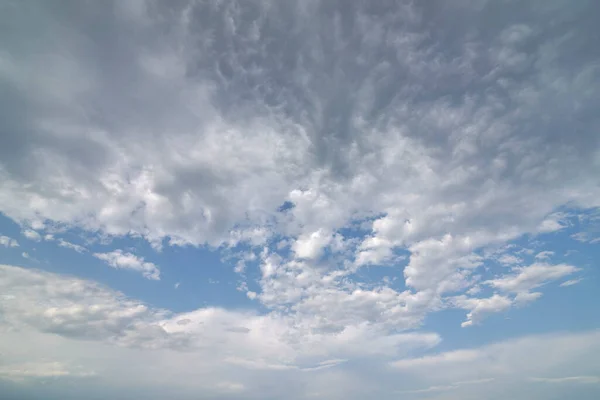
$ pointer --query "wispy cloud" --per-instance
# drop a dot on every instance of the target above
(571, 282)
(122, 260)
(569, 379)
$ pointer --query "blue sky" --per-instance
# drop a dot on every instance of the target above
(312, 199)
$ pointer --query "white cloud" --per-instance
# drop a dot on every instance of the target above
(553, 223)
(121, 260)
(8, 242)
(523, 298)
(28, 256)
(42, 369)
(73, 328)
(86, 310)
(311, 246)
(543, 255)
(452, 386)
(585, 237)
(81, 309)
(453, 357)
(504, 368)
(571, 282)
(526, 278)
(509, 259)
(72, 246)
(32, 235)
(569, 379)
(352, 135)
(234, 141)
(480, 307)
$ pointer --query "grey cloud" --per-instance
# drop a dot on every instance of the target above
(334, 82)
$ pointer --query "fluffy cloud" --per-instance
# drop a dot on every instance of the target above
(8, 241)
(121, 260)
(311, 246)
(336, 145)
(32, 235)
(308, 142)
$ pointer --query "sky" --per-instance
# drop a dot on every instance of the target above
(299, 199)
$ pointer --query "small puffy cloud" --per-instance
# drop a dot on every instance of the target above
(32, 235)
(28, 256)
(553, 223)
(311, 246)
(122, 260)
(543, 255)
(8, 241)
(509, 259)
(251, 295)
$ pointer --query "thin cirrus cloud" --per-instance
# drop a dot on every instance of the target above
(360, 169)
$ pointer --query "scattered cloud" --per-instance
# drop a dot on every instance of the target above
(72, 246)
(311, 145)
(543, 255)
(8, 242)
(586, 237)
(524, 279)
(509, 259)
(122, 260)
(32, 235)
(28, 256)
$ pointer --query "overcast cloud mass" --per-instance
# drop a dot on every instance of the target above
(299, 199)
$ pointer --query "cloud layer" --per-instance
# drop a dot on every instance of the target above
(76, 332)
(359, 165)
